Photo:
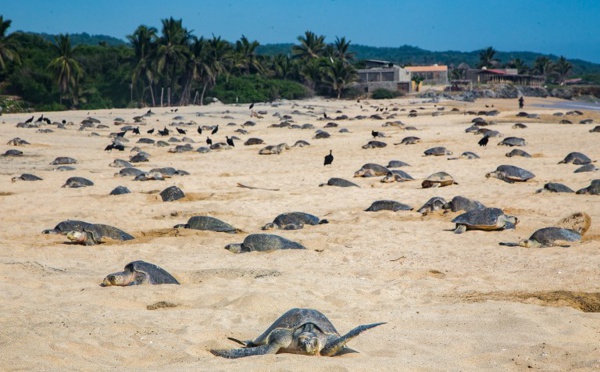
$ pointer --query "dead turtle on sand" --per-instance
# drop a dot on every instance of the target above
(438, 179)
(294, 221)
(340, 182)
(298, 331)
(554, 187)
(437, 151)
(396, 175)
(139, 272)
(486, 219)
(26, 177)
(263, 243)
(510, 174)
(208, 223)
(371, 170)
(434, 204)
(388, 205)
(576, 158)
(592, 189)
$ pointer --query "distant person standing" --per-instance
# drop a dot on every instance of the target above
(521, 102)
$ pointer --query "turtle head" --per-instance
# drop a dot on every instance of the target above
(117, 279)
(234, 248)
(530, 243)
(309, 343)
(77, 237)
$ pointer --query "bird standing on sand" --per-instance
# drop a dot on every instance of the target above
(484, 141)
(40, 119)
(29, 120)
(375, 133)
(208, 141)
(251, 106)
(328, 158)
(214, 131)
(230, 141)
(150, 131)
(199, 130)
(136, 130)
(180, 131)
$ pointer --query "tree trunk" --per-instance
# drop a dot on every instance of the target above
(202, 95)
(162, 93)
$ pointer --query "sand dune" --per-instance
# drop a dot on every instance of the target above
(451, 302)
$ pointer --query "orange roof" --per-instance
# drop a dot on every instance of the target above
(426, 68)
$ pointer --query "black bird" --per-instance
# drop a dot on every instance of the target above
(251, 106)
(181, 131)
(199, 130)
(114, 146)
(230, 141)
(48, 121)
(328, 159)
(375, 134)
(136, 130)
(164, 132)
(150, 131)
(484, 141)
(208, 141)
(29, 120)
(64, 121)
(40, 119)
(149, 112)
(325, 115)
(215, 130)
(121, 134)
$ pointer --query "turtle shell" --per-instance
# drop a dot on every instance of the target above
(388, 205)
(210, 224)
(268, 242)
(557, 187)
(515, 173)
(437, 151)
(512, 141)
(438, 179)
(340, 182)
(397, 164)
(576, 158)
(481, 219)
(549, 236)
(296, 218)
(296, 318)
(372, 169)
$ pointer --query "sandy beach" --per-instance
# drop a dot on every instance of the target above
(451, 302)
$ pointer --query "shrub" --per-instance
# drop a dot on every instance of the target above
(382, 93)
(247, 89)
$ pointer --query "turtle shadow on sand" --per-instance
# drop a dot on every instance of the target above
(298, 331)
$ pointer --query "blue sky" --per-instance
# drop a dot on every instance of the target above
(559, 27)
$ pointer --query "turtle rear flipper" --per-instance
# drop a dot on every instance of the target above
(337, 345)
(509, 244)
(278, 338)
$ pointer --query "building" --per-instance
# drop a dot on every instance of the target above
(387, 75)
(503, 76)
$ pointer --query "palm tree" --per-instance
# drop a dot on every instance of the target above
(245, 53)
(143, 41)
(311, 46)
(519, 64)
(67, 70)
(486, 58)
(197, 69)
(342, 49)
(338, 75)
(219, 57)
(542, 66)
(8, 47)
(172, 52)
(562, 69)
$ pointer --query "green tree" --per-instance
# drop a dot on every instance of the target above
(8, 46)
(311, 46)
(172, 52)
(487, 58)
(562, 69)
(338, 75)
(543, 66)
(67, 70)
(342, 49)
(246, 57)
(143, 41)
(519, 64)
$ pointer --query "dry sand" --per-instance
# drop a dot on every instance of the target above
(451, 302)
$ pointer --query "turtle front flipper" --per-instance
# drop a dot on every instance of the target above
(460, 229)
(244, 343)
(335, 346)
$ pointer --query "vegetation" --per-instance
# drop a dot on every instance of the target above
(172, 66)
(383, 93)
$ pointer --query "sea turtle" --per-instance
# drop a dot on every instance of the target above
(64, 168)
(26, 177)
(84, 237)
(434, 204)
(484, 219)
(595, 129)
(298, 331)
(263, 243)
(517, 152)
(253, 141)
(120, 190)
(100, 230)
(586, 168)
(140, 157)
(301, 143)
(75, 182)
(410, 140)
(320, 134)
(554, 187)
(576, 158)
(17, 142)
(437, 151)
(120, 163)
(469, 155)
(371, 170)
(340, 182)
(388, 205)
(171, 193)
(438, 179)
(548, 237)
(208, 223)
(512, 141)
(61, 160)
(374, 145)
(139, 272)
(396, 175)
(519, 126)
(13, 152)
(510, 174)
(397, 164)
(128, 172)
(460, 203)
(592, 189)
(293, 221)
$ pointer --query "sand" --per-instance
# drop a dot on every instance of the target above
(451, 302)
